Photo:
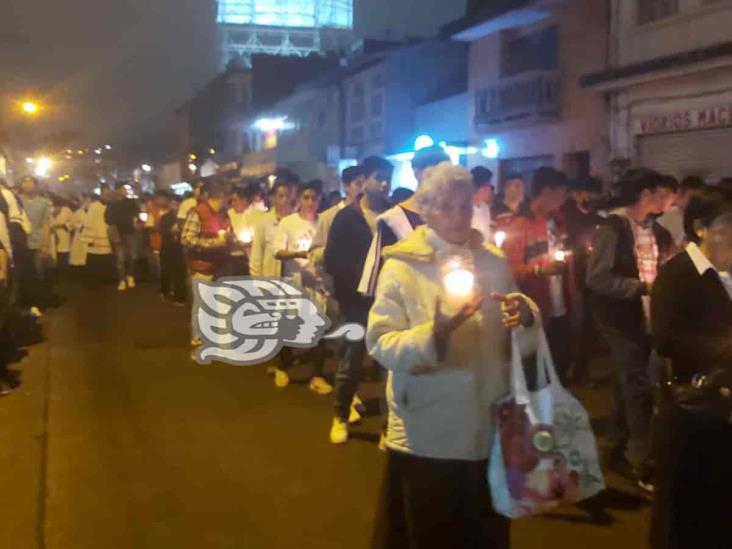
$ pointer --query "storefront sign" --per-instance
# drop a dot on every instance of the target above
(713, 117)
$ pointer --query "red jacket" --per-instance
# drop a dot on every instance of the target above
(526, 247)
(209, 261)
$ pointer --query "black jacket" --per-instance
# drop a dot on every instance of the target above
(691, 317)
(348, 245)
(612, 275)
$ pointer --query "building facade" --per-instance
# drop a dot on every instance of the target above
(669, 83)
(282, 27)
(527, 107)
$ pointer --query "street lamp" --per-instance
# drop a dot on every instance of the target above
(146, 168)
(30, 107)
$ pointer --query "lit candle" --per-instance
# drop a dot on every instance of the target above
(499, 237)
(459, 282)
(303, 245)
(143, 217)
(560, 255)
(222, 232)
(245, 236)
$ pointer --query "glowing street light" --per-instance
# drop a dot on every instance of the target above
(43, 166)
(30, 107)
(108, 147)
(146, 168)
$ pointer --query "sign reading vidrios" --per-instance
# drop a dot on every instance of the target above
(697, 119)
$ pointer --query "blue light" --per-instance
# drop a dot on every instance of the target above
(423, 142)
(492, 149)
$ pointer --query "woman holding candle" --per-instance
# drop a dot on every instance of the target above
(439, 325)
(291, 245)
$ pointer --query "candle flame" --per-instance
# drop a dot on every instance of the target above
(245, 236)
(560, 255)
(459, 282)
(499, 237)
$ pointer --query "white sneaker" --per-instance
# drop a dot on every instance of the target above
(354, 416)
(339, 431)
(358, 404)
(282, 380)
(130, 281)
(122, 286)
(35, 311)
(320, 386)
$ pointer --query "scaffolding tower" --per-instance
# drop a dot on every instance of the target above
(282, 27)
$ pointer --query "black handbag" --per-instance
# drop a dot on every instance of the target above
(708, 396)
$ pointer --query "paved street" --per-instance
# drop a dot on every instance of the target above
(117, 440)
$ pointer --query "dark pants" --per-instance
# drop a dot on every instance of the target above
(437, 504)
(559, 336)
(30, 284)
(239, 265)
(173, 274)
(125, 253)
(316, 357)
(583, 337)
(633, 409)
(348, 374)
(692, 504)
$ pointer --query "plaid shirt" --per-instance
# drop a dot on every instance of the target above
(646, 251)
(191, 235)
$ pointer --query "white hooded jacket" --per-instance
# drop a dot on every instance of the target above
(441, 410)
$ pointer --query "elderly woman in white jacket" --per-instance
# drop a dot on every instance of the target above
(440, 325)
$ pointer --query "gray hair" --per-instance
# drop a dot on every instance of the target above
(440, 181)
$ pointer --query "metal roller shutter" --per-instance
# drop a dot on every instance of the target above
(707, 153)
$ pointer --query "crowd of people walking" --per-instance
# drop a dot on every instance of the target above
(645, 267)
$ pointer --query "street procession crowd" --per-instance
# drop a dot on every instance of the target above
(641, 273)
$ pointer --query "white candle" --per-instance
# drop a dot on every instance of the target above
(245, 236)
(459, 282)
(303, 245)
(499, 237)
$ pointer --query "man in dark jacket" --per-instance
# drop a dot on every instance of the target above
(627, 252)
(121, 216)
(345, 254)
(581, 220)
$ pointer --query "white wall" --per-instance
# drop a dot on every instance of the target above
(700, 23)
(583, 124)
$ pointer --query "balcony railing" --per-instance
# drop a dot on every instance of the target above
(529, 96)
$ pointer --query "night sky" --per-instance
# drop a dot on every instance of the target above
(114, 70)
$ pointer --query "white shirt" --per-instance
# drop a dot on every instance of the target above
(262, 261)
(702, 264)
(296, 234)
(186, 206)
(61, 224)
(482, 220)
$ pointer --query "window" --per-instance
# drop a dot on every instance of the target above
(377, 82)
(377, 105)
(656, 10)
(375, 130)
(357, 134)
(358, 104)
(532, 52)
